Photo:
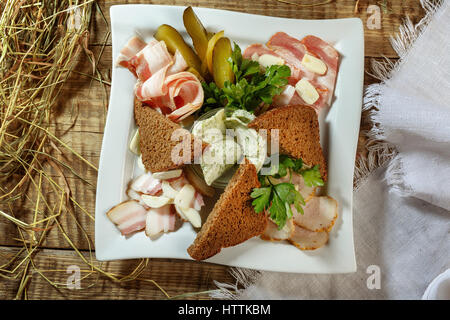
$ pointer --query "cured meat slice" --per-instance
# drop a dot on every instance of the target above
(293, 51)
(146, 184)
(328, 54)
(272, 233)
(153, 87)
(160, 220)
(179, 64)
(320, 214)
(258, 49)
(133, 46)
(152, 58)
(178, 95)
(128, 216)
(308, 240)
(185, 95)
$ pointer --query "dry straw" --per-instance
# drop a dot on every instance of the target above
(39, 43)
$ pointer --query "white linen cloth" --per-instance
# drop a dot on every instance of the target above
(413, 113)
(396, 233)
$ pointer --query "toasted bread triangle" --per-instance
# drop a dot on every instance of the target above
(233, 219)
(299, 135)
(156, 141)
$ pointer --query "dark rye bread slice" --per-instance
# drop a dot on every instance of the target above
(298, 132)
(233, 219)
(156, 141)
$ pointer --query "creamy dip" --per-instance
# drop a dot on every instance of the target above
(230, 139)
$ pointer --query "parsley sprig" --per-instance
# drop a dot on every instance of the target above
(277, 198)
(252, 86)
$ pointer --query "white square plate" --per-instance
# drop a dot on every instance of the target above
(339, 134)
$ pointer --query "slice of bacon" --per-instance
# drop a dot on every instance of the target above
(185, 95)
(320, 214)
(153, 87)
(146, 184)
(178, 95)
(160, 220)
(178, 183)
(323, 50)
(179, 64)
(308, 240)
(152, 58)
(129, 216)
(272, 233)
(133, 46)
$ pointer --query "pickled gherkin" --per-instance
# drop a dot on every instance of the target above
(197, 31)
(221, 67)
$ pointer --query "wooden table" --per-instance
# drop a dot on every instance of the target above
(82, 112)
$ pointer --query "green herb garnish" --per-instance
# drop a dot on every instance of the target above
(277, 198)
(252, 87)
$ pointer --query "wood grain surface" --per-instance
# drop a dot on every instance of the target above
(81, 114)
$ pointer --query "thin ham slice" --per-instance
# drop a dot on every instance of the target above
(328, 54)
(308, 240)
(133, 46)
(272, 233)
(129, 216)
(320, 214)
(293, 50)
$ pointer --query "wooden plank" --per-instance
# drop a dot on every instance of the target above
(376, 41)
(174, 276)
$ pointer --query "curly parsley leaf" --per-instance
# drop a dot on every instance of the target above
(277, 211)
(312, 176)
(289, 195)
(277, 199)
(262, 198)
